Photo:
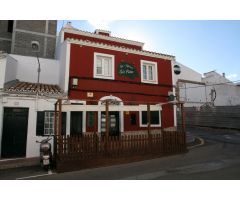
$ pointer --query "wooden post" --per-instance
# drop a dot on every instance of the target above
(55, 119)
(148, 118)
(107, 119)
(60, 117)
(106, 126)
(149, 131)
(95, 122)
(55, 134)
(183, 117)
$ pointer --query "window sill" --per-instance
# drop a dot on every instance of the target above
(104, 77)
(152, 125)
(149, 82)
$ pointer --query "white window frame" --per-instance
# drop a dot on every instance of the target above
(95, 66)
(151, 125)
(48, 120)
(155, 70)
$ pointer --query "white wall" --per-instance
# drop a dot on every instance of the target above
(3, 62)
(64, 66)
(187, 74)
(193, 94)
(11, 69)
(197, 95)
(27, 69)
(227, 95)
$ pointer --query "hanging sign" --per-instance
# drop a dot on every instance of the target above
(127, 70)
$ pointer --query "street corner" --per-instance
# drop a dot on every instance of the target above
(197, 142)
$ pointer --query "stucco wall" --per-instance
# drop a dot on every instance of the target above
(187, 74)
(3, 62)
(27, 69)
(11, 69)
(64, 65)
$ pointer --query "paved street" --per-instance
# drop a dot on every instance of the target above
(218, 158)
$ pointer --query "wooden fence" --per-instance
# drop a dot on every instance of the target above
(78, 152)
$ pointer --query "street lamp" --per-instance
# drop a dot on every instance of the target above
(36, 48)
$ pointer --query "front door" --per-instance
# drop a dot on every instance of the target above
(76, 123)
(14, 136)
(113, 123)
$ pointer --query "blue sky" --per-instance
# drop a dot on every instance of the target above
(201, 45)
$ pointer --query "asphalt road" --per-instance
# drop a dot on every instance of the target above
(217, 159)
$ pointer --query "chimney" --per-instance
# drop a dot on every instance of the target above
(102, 32)
(223, 74)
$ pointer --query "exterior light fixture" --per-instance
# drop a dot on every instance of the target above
(74, 82)
(35, 46)
(171, 96)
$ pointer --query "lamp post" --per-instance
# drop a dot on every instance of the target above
(36, 48)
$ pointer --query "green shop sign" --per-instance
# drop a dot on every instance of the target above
(127, 70)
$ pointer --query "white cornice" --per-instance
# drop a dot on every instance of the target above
(114, 39)
(121, 49)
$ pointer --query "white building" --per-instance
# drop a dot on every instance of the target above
(26, 108)
(211, 89)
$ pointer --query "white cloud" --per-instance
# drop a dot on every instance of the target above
(100, 24)
(230, 76)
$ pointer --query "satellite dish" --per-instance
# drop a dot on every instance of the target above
(177, 69)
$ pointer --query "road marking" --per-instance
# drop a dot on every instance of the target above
(35, 176)
(227, 137)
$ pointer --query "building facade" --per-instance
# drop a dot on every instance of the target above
(89, 69)
(102, 67)
(16, 37)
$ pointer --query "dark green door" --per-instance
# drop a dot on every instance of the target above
(76, 123)
(14, 135)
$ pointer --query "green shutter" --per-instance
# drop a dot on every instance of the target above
(40, 123)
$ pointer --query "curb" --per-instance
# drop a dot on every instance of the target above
(202, 142)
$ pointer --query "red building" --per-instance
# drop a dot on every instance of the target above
(103, 67)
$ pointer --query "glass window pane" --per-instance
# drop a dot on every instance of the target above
(99, 66)
(144, 72)
(52, 114)
(144, 117)
(150, 72)
(107, 67)
(155, 117)
(99, 62)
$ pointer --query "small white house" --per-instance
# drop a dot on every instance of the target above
(26, 108)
